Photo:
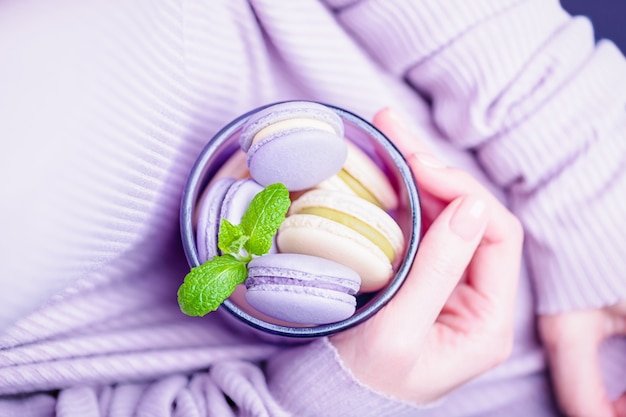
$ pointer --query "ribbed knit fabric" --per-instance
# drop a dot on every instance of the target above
(321, 360)
(104, 106)
(503, 95)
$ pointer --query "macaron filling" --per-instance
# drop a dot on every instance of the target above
(291, 124)
(323, 284)
(298, 110)
(281, 275)
(358, 188)
(301, 289)
(316, 292)
(355, 224)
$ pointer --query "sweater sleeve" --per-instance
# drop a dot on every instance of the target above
(524, 87)
(311, 380)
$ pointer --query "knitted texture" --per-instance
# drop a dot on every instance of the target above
(106, 104)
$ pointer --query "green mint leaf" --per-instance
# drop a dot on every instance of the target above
(264, 216)
(208, 285)
(231, 238)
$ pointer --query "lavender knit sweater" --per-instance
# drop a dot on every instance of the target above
(105, 104)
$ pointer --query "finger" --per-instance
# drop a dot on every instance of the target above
(497, 262)
(432, 176)
(495, 270)
(444, 253)
(397, 130)
(448, 183)
(494, 273)
(576, 374)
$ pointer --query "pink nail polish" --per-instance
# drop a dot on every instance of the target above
(428, 160)
(397, 119)
(469, 218)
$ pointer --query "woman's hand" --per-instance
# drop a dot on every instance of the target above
(453, 317)
(572, 341)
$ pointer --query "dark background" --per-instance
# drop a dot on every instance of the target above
(608, 18)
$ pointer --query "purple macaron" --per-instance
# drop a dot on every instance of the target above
(302, 289)
(228, 199)
(297, 143)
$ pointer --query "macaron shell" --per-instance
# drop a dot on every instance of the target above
(356, 207)
(301, 289)
(307, 270)
(208, 218)
(318, 236)
(238, 198)
(301, 305)
(228, 199)
(299, 159)
(363, 169)
(238, 297)
(288, 110)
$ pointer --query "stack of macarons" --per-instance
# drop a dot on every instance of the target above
(339, 238)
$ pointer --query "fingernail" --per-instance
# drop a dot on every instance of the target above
(469, 218)
(397, 119)
(428, 160)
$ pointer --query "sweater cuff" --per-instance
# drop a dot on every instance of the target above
(311, 380)
(400, 33)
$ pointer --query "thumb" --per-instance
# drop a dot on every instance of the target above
(444, 253)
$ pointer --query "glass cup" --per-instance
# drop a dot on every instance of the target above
(223, 150)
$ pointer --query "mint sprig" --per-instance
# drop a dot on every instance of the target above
(232, 239)
(207, 286)
(263, 218)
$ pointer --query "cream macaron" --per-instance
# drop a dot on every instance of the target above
(347, 229)
(361, 176)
